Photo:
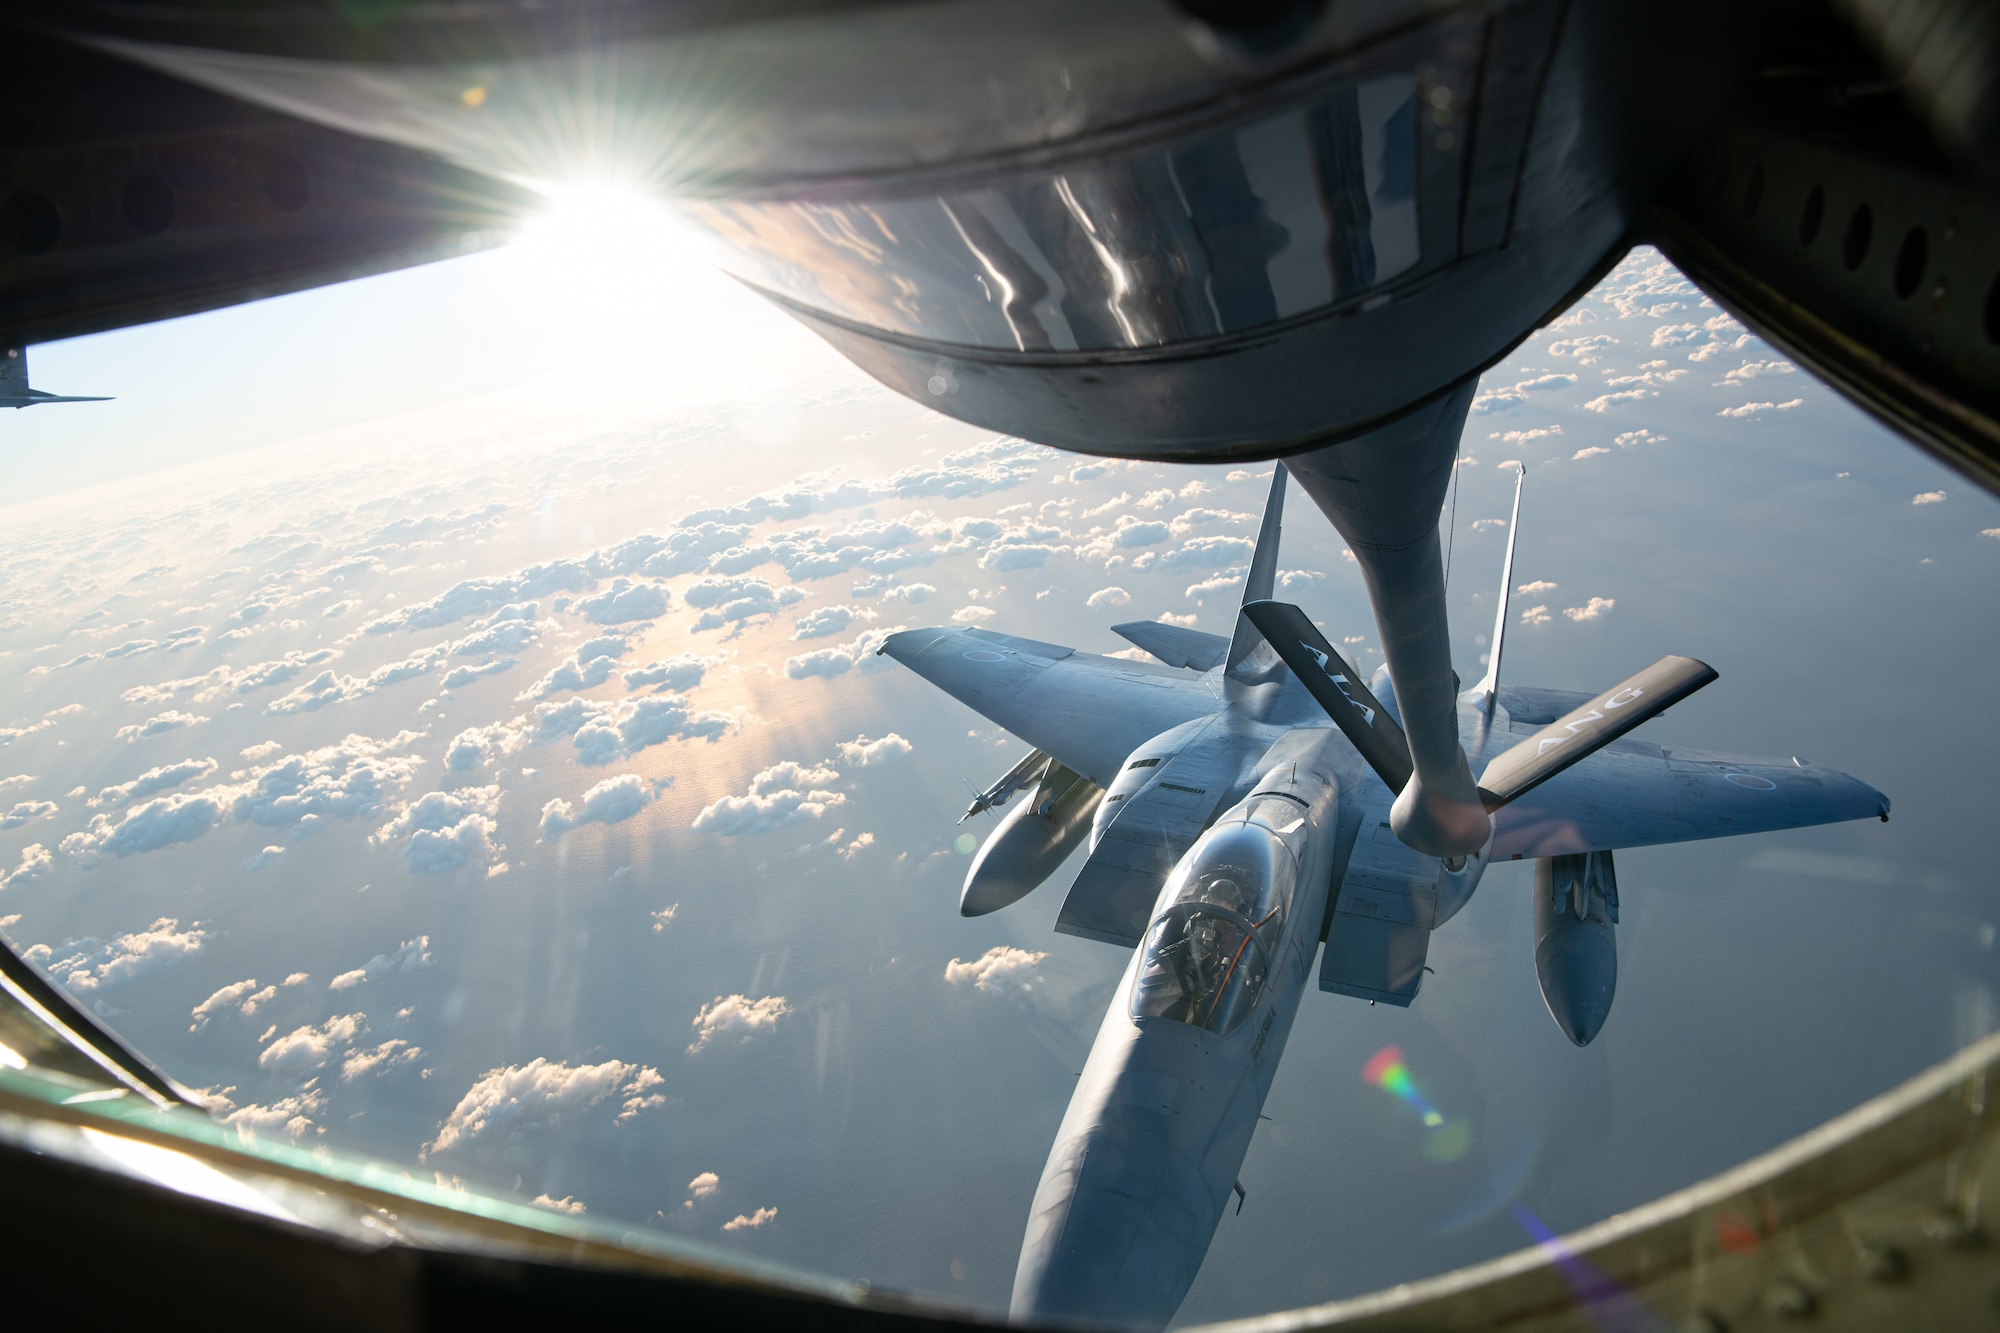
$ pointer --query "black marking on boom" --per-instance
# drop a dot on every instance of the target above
(1332, 680)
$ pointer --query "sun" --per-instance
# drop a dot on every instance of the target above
(607, 260)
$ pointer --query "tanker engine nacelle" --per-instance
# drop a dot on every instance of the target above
(1576, 946)
(1052, 817)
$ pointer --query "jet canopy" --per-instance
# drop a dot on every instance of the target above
(1209, 952)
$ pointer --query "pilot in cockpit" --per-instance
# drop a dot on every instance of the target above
(1196, 957)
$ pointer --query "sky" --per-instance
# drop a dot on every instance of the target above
(442, 724)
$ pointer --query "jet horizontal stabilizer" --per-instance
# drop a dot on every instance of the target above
(1584, 730)
(1176, 645)
(1334, 682)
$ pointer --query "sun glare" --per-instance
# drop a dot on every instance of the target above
(605, 259)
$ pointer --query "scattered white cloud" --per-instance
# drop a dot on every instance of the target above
(1752, 409)
(308, 1048)
(90, 965)
(785, 793)
(750, 1221)
(290, 1116)
(1228, 580)
(823, 621)
(1928, 498)
(391, 1054)
(35, 861)
(1605, 401)
(679, 673)
(242, 996)
(410, 956)
(663, 918)
(1591, 451)
(973, 615)
(576, 673)
(704, 1186)
(1112, 596)
(159, 724)
(1198, 554)
(22, 812)
(732, 601)
(736, 1019)
(1001, 968)
(475, 597)
(862, 752)
(1587, 350)
(1626, 439)
(532, 1096)
(1508, 395)
(611, 801)
(460, 676)
(443, 830)
(1751, 370)
(1592, 610)
(1525, 436)
(624, 601)
(1538, 586)
(573, 1207)
(602, 731)
(827, 662)
(848, 848)
(153, 780)
(1536, 615)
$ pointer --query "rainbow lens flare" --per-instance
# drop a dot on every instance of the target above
(1386, 1070)
(1607, 1305)
(1444, 1140)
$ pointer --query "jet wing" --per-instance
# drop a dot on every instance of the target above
(1087, 711)
(1634, 794)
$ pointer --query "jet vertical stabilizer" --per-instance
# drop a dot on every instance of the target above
(1263, 577)
(1489, 684)
(14, 390)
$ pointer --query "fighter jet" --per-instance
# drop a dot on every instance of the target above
(14, 390)
(1235, 798)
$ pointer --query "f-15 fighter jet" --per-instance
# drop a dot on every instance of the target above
(1236, 802)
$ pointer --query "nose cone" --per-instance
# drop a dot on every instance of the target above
(1118, 1230)
(1577, 965)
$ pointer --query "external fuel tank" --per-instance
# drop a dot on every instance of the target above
(1032, 840)
(1576, 946)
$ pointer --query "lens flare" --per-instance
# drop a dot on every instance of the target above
(1387, 1071)
(1609, 1306)
(1444, 1140)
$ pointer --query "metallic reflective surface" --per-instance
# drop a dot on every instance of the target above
(1219, 231)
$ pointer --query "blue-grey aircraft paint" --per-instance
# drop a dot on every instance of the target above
(1255, 831)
